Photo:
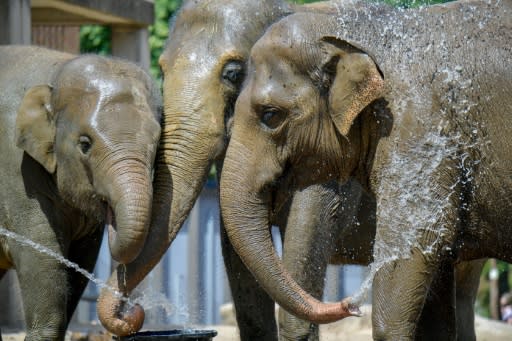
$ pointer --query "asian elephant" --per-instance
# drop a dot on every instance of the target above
(78, 138)
(412, 103)
(204, 65)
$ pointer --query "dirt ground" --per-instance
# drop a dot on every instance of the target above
(353, 329)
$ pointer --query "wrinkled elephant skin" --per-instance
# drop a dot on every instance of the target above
(78, 142)
(418, 117)
(204, 65)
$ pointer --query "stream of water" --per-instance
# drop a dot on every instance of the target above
(149, 299)
(409, 200)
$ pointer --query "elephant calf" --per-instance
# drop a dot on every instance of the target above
(78, 138)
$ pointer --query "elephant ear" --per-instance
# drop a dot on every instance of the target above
(354, 81)
(35, 126)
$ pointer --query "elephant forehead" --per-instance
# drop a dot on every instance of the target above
(234, 15)
(119, 88)
(277, 83)
(105, 76)
(100, 92)
(198, 61)
(103, 102)
(277, 65)
(286, 45)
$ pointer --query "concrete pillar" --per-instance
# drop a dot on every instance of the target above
(332, 283)
(131, 44)
(64, 38)
(195, 264)
(15, 22)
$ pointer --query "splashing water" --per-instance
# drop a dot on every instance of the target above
(409, 201)
(42, 249)
(161, 306)
(149, 300)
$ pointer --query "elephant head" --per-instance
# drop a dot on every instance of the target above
(296, 123)
(204, 65)
(96, 129)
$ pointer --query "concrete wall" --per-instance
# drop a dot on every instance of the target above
(58, 37)
(50, 20)
(15, 21)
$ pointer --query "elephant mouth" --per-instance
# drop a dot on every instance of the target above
(280, 194)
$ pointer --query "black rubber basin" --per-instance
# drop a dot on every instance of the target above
(164, 335)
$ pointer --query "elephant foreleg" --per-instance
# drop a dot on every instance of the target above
(255, 310)
(467, 276)
(44, 287)
(438, 317)
(308, 246)
(401, 286)
(308, 268)
(85, 253)
(400, 290)
(448, 313)
(2, 273)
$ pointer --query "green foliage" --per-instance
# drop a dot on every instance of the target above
(158, 32)
(95, 39)
(483, 298)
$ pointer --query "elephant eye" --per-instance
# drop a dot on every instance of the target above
(272, 117)
(84, 143)
(233, 73)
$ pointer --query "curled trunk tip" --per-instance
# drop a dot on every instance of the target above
(332, 312)
(118, 318)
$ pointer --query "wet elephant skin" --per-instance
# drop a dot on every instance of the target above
(78, 138)
(204, 67)
(418, 117)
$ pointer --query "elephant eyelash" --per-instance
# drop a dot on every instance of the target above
(84, 144)
(271, 117)
(233, 73)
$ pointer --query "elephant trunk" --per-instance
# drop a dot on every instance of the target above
(245, 210)
(116, 314)
(188, 146)
(129, 210)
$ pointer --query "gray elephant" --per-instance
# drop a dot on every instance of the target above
(205, 96)
(418, 116)
(204, 66)
(78, 140)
